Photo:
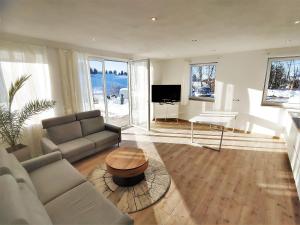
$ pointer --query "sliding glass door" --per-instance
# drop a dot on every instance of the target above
(139, 91)
(98, 85)
(109, 81)
(116, 77)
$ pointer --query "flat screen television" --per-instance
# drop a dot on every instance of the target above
(166, 93)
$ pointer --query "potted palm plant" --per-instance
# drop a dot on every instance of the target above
(12, 121)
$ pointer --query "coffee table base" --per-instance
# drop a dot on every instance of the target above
(128, 181)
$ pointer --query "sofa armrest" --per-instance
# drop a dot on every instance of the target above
(48, 146)
(40, 161)
(114, 129)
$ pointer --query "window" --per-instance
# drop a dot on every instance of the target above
(282, 84)
(202, 85)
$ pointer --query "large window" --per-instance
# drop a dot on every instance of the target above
(202, 85)
(282, 85)
(109, 81)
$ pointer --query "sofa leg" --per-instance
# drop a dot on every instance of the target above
(118, 144)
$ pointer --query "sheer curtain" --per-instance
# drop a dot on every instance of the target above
(140, 93)
(76, 82)
(15, 61)
(56, 74)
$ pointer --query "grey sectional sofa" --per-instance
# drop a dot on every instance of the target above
(47, 190)
(79, 135)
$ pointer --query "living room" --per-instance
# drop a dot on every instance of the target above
(161, 112)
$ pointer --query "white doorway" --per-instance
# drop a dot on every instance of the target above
(120, 90)
(109, 82)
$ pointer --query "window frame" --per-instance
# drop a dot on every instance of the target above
(205, 99)
(264, 102)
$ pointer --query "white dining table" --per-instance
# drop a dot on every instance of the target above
(216, 118)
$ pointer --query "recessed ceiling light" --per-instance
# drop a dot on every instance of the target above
(194, 40)
(153, 18)
(297, 22)
(93, 39)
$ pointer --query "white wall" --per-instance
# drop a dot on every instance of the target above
(239, 76)
(63, 45)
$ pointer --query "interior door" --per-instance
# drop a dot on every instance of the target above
(140, 93)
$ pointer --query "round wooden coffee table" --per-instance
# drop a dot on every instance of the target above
(127, 165)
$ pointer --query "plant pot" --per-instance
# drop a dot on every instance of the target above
(17, 147)
(21, 152)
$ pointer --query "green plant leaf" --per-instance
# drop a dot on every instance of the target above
(30, 109)
(5, 124)
(12, 122)
(15, 87)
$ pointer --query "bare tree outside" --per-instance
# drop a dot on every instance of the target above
(284, 82)
(203, 80)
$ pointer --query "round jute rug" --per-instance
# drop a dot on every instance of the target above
(140, 196)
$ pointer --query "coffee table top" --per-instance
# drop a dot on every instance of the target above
(126, 158)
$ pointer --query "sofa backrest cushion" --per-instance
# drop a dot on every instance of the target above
(4, 162)
(20, 174)
(51, 122)
(19, 205)
(88, 114)
(66, 132)
(10, 165)
(92, 125)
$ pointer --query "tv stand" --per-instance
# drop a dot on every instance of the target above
(166, 110)
(169, 103)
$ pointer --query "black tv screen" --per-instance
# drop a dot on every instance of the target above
(166, 93)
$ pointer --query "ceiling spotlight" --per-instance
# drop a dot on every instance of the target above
(153, 18)
(297, 22)
(194, 40)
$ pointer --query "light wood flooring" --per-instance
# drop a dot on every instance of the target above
(248, 182)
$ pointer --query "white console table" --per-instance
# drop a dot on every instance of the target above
(213, 118)
(166, 111)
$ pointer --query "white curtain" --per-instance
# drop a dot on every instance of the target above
(17, 60)
(56, 74)
(75, 80)
(140, 93)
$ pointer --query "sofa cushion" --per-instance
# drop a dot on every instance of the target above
(4, 162)
(10, 165)
(66, 132)
(19, 205)
(88, 114)
(92, 125)
(12, 211)
(51, 122)
(20, 174)
(84, 205)
(103, 137)
(54, 179)
(76, 147)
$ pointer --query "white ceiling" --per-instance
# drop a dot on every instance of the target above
(125, 26)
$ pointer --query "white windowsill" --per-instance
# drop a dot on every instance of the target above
(204, 99)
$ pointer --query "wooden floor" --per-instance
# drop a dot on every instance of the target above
(248, 182)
